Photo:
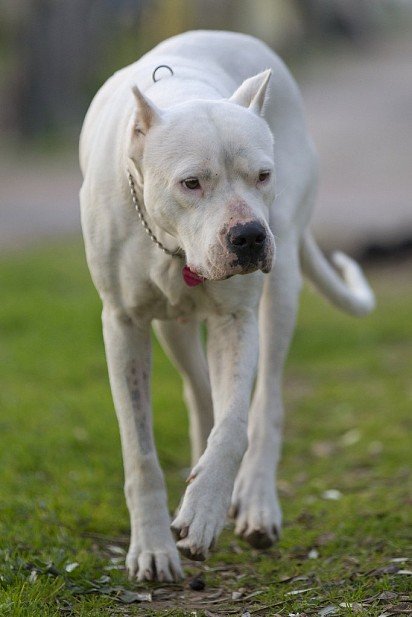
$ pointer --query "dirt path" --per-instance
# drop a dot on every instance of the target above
(38, 199)
(360, 115)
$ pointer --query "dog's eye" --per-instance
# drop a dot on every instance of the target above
(264, 175)
(191, 183)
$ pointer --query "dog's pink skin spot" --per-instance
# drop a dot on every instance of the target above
(239, 211)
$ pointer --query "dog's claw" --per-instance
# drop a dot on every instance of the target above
(259, 538)
(176, 531)
(191, 553)
(147, 575)
(179, 533)
(163, 566)
(184, 531)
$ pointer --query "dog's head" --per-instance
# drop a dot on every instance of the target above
(207, 175)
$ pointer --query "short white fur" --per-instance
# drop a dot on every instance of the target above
(229, 111)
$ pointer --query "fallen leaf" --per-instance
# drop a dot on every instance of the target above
(71, 566)
(234, 546)
(313, 554)
(385, 595)
(207, 568)
(116, 550)
(103, 580)
(80, 433)
(297, 592)
(375, 448)
(307, 519)
(128, 597)
(290, 579)
(323, 449)
(33, 576)
(212, 597)
(325, 538)
(350, 437)
(117, 560)
(350, 560)
(252, 595)
(399, 609)
(355, 606)
(332, 494)
(390, 569)
(328, 610)
(114, 567)
(285, 488)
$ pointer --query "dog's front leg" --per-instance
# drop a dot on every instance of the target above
(232, 353)
(152, 553)
(255, 502)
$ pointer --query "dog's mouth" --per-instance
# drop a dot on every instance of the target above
(192, 278)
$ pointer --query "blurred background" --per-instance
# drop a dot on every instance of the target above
(348, 386)
(352, 60)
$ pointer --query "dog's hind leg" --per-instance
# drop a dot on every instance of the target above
(152, 554)
(183, 345)
(254, 502)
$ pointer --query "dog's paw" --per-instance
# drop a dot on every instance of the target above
(154, 565)
(257, 512)
(200, 519)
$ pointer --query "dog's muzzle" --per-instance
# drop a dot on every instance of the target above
(242, 248)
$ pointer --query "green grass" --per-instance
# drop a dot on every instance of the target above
(348, 394)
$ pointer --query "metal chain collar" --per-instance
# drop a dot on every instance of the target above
(178, 252)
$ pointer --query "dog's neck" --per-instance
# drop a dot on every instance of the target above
(178, 252)
(191, 278)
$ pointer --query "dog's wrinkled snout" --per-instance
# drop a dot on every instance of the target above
(247, 239)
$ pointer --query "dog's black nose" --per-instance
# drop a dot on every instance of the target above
(247, 238)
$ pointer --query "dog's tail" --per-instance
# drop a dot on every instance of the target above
(351, 293)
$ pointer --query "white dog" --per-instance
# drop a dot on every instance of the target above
(214, 156)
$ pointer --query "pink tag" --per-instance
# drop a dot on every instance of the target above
(191, 278)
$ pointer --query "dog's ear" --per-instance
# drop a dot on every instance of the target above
(252, 92)
(147, 114)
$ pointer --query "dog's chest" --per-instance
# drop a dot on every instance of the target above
(189, 304)
(157, 290)
(178, 301)
(164, 295)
